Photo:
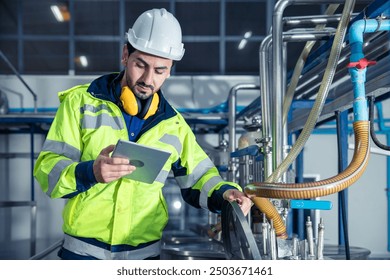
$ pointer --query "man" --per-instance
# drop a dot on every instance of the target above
(108, 216)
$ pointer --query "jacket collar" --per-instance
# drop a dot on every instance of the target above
(108, 87)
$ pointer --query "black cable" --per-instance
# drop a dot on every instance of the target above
(371, 100)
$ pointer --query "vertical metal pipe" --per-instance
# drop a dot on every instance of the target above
(266, 103)
(277, 84)
(272, 238)
(320, 241)
(303, 249)
(264, 230)
(295, 247)
(309, 236)
(33, 230)
(284, 125)
(232, 132)
(232, 100)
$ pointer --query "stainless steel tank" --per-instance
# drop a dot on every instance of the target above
(187, 246)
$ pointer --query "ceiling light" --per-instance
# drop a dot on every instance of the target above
(244, 41)
(60, 12)
(82, 61)
(242, 44)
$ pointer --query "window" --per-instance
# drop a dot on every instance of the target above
(199, 58)
(220, 37)
(45, 57)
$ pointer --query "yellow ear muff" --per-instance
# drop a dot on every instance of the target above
(133, 106)
(151, 107)
(130, 103)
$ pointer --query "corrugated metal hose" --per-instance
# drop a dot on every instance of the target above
(319, 188)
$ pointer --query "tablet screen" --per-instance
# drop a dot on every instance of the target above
(147, 160)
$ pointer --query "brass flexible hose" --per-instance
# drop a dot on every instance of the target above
(265, 206)
(324, 187)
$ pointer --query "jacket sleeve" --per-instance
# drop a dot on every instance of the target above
(57, 163)
(199, 180)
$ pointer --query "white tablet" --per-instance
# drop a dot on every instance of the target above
(147, 160)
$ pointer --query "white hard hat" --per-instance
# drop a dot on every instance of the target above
(157, 32)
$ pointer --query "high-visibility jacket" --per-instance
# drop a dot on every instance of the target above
(123, 219)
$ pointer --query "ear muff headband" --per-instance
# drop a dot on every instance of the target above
(132, 105)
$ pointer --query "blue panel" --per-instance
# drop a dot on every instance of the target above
(252, 150)
(311, 204)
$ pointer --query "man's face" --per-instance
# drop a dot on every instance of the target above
(144, 73)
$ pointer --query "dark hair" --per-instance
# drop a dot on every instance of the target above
(131, 49)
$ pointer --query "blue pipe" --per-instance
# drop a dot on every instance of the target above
(357, 30)
(358, 75)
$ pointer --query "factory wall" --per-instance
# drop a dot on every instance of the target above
(367, 199)
(367, 202)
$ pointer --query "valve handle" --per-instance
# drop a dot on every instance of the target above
(361, 64)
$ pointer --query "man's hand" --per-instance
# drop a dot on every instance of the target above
(243, 200)
(107, 169)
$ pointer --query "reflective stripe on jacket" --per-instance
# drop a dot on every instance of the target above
(123, 212)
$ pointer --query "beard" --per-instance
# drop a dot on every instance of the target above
(144, 91)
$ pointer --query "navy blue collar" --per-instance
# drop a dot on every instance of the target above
(108, 87)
